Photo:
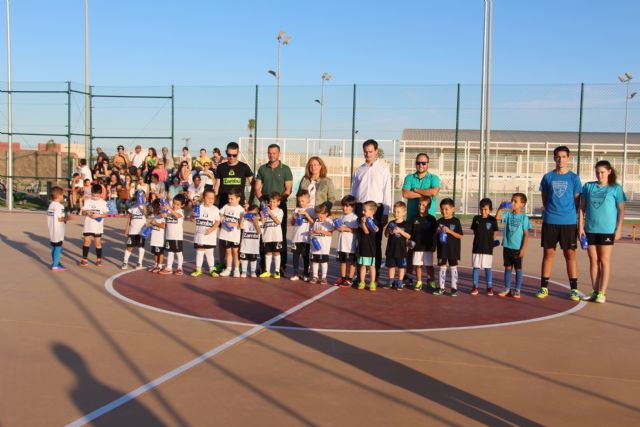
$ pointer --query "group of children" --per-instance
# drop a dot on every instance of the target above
(241, 232)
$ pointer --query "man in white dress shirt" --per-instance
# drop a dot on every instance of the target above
(137, 157)
(372, 181)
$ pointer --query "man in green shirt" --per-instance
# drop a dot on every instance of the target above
(275, 176)
(418, 184)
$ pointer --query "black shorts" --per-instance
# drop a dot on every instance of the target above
(157, 250)
(248, 257)
(600, 239)
(173, 245)
(319, 258)
(54, 244)
(135, 241)
(227, 244)
(446, 261)
(566, 235)
(346, 257)
(197, 246)
(272, 246)
(396, 262)
(300, 248)
(511, 258)
(92, 234)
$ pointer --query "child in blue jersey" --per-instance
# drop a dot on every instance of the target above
(57, 217)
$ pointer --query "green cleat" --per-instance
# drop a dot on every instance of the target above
(574, 295)
(373, 286)
(197, 272)
(601, 298)
(213, 273)
(265, 275)
(418, 286)
(361, 285)
(542, 293)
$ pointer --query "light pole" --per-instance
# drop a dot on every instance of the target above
(283, 39)
(485, 101)
(9, 194)
(626, 78)
(325, 77)
(87, 124)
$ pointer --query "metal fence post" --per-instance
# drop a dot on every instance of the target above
(455, 149)
(68, 131)
(353, 128)
(255, 132)
(90, 120)
(173, 104)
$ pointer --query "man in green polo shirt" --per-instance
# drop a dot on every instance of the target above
(275, 176)
(418, 184)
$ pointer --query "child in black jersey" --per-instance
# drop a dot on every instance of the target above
(396, 253)
(448, 235)
(484, 228)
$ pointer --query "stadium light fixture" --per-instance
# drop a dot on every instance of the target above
(283, 39)
(273, 73)
(626, 79)
(325, 77)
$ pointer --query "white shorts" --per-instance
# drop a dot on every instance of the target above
(423, 258)
(482, 260)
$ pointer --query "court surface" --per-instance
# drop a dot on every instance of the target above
(132, 348)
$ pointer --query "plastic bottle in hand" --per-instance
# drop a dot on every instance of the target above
(227, 226)
(299, 218)
(265, 211)
(316, 243)
(392, 226)
(443, 236)
(146, 231)
(337, 223)
(163, 202)
(370, 224)
(584, 242)
(505, 205)
(196, 211)
(140, 197)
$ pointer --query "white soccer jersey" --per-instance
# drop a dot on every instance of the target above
(138, 220)
(207, 218)
(301, 232)
(173, 229)
(56, 227)
(325, 241)
(271, 232)
(250, 243)
(231, 214)
(157, 233)
(98, 207)
(347, 241)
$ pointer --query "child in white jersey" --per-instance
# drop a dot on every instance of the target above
(136, 221)
(272, 235)
(57, 217)
(348, 225)
(250, 242)
(231, 213)
(207, 218)
(174, 235)
(320, 237)
(94, 210)
(303, 216)
(157, 234)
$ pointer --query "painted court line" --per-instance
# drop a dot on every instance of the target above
(198, 360)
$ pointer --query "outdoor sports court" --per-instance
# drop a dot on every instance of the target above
(139, 349)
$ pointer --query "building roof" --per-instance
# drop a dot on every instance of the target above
(520, 136)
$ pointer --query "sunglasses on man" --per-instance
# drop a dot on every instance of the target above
(232, 155)
(422, 163)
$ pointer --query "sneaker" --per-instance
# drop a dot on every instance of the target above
(504, 294)
(542, 293)
(253, 275)
(432, 284)
(294, 278)
(574, 295)
(418, 286)
(150, 269)
(283, 274)
(276, 275)
(474, 291)
(265, 275)
(361, 285)
(306, 278)
(225, 273)
(237, 273)
(218, 267)
(399, 285)
(197, 272)
(58, 268)
(339, 282)
(346, 283)
(124, 266)
(314, 280)
(139, 267)
(601, 298)
(99, 262)
(592, 296)
(490, 292)
(516, 294)
(156, 269)
(324, 281)
(373, 286)
(179, 272)
(243, 275)
(454, 292)
(438, 291)
(166, 271)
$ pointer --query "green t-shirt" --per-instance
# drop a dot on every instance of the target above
(273, 179)
(428, 181)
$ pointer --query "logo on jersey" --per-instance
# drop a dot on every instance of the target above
(559, 188)
(488, 225)
(232, 173)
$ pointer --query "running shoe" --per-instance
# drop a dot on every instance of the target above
(99, 262)
(454, 292)
(438, 291)
(166, 271)
(156, 269)
(225, 273)
(490, 292)
(150, 269)
(474, 291)
(306, 278)
(542, 293)
(574, 295)
(314, 280)
(197, 272)
(432, 284)
(373, 286)
(265, 275)
(236, 273)
(58, 268)
(399, 285)
(294, 278)
(139, 267)
(504, 294)
(339, 282)
(418, 286)
(516, 294)
(601, 298)
(179, 272)
(361, 285)
(124, 266)
(213, 273)
(324, 281)
(346, 283)
(243, 275)
(592, 296)
(253, 274)
(276, 275)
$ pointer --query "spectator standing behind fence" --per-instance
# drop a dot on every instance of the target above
(84, 171)
(275, 176)
(102, 155)
(120, 160)
(167, 159)
(137, 157)
(372, 182)
(315, 181)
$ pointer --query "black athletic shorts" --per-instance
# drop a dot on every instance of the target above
(173, 245)
(566, 235)
(346, 257)
(446, 261)
(92, 234)
(248, 257)
(511, 258)
(197, 246)
(157, 250)
(135, 241)
(599, 239)
(396, 262)
(319, 258)
(272, 246)
(227, 244)
(300, 248)
(53, 244)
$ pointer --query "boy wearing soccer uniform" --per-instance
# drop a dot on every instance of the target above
(397, 238)
(136, 220)
(57, 217)
(514, 242)
(347, 241)
(272, 235)
(321, 246)
(422, 228)
(449, 235)
(303, 216)
(157, 236)
(366, 249)
(250, 241)
(206, 233)
(231, 213)
(94, 210)
(484, 228)
(174, 235)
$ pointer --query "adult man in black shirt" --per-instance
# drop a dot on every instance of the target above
(232, 174)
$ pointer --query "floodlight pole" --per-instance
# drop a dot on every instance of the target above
(9, 195)
(482, 101)
(487, 140)
(87, 125)
(626, 122)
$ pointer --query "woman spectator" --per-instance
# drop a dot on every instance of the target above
(161, 172)
(142, 185)
(186, 157)
(114, 181)
(315, 181)
(216, 158)
(100, 169)
(601, 218)
(150, 163)
(175, 188)
(125, 194)
(185, 173)
(207, 177)
(167, 159)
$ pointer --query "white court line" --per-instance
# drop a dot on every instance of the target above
(579, 306)
(198, 360)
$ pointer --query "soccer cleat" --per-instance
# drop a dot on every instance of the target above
(237, 273)
(314, 280)
(542, 293)
(324, 281)
(225, 273)
(306, 278)
(438, 291)
(418, 286)
(253, 274)
(294, 278)
(474, 291)
(339, 281)
(516, 294)
(399, 285)
(179, 272)
(265, 275)
(373, 286)
(99, 262)
(490, 292)
(165, 271)
(243, 275)
(276, 275)
(361, 285)
(197, 272)
(592, 296)
(139, 267)
(213, 273)
(218, 267)
(58, 268)
(601, 298)
(156, 269)
(346, 283)
(574, 295)
(454, 292)
(432, 284)
(124, 266)
(504, 294)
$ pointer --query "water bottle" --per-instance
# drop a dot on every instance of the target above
(505, 205)
(392, 226)
(370, 224)
(226, 226)
(99, 219)
(496, 243)
(146, 231)
(249, 216)
(443, 236)
(316, 243)
(337, 223)
(299, 219)
(196, 211)
(140, 197)
(265, 210)
(163, 202)
(584, 242)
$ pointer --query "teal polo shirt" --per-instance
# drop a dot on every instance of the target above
(273, 179)
(428, 181)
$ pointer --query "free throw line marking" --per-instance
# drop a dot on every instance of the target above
(198, 360)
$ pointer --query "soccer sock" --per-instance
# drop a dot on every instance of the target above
(53, 255)
(276, 261)
(169, 260)
(454, 277)
(85, 252)
(518, 279)
(476, 277)
(140, 255)
(507, 279)
(244, 264)
(314, 267)
(324, 268)
(180, 259)
(199, 259)
(57, 251)
(209, 255)
(252, 266)
(98, 252)
(267, 262)
(489, 274)
(573, 283)
(296, 262)
(443, 275)
(127, 254)
(305, 263)
(544, 282)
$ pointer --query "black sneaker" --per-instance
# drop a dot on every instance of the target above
(454, 292)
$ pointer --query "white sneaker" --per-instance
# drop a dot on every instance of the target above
(243, 275)
(253, 275)
(124, 266)
(306, 278)
(139, 267)
(225, 273)
(294, 278)
(236, 274)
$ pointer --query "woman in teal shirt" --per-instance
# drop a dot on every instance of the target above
(601, 219)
